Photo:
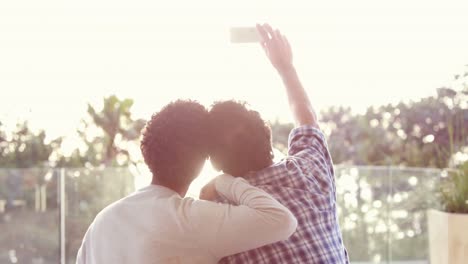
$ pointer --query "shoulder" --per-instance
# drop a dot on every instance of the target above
(108, 212)
(305, 137)
(116, 207)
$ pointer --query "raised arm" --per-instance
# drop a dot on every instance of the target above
(279, 52)
(255, 219)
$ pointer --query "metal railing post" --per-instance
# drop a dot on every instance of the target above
(62, 215)
(389, 210)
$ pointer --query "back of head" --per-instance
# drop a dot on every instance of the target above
(240, 140)
(174, 143)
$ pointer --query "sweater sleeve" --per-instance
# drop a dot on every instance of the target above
(255, 219)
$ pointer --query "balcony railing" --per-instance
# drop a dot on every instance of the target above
(44, 213)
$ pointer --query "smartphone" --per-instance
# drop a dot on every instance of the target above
(244, 35)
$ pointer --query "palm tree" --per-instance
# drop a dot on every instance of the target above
(118, 126)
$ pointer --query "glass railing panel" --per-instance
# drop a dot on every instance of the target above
(29, 216)
(412, 194)
(363, 212)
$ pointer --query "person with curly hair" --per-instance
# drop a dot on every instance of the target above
(158, 224)
(303, 181)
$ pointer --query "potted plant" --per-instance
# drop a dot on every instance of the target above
(448, 227)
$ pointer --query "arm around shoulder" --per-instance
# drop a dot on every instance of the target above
(255, 219)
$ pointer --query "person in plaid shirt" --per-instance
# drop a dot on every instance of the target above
(303, 182)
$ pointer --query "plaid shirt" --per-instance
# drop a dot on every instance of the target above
(304, 182)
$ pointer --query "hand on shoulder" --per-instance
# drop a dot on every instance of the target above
(208, 192)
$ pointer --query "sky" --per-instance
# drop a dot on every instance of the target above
(58, 55)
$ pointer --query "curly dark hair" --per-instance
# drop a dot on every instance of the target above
(174, 143)
(240, 140)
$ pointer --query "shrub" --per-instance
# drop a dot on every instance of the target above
(454, 191)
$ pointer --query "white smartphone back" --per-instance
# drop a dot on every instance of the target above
(244, 35)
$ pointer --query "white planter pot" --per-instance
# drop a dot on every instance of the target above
(448, 237)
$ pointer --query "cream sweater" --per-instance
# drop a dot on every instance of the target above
(156, 225)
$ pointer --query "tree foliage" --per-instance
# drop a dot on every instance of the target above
(425, 133)
(107, 133)
(24, 148)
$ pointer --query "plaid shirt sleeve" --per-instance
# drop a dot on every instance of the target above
(309, 151)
